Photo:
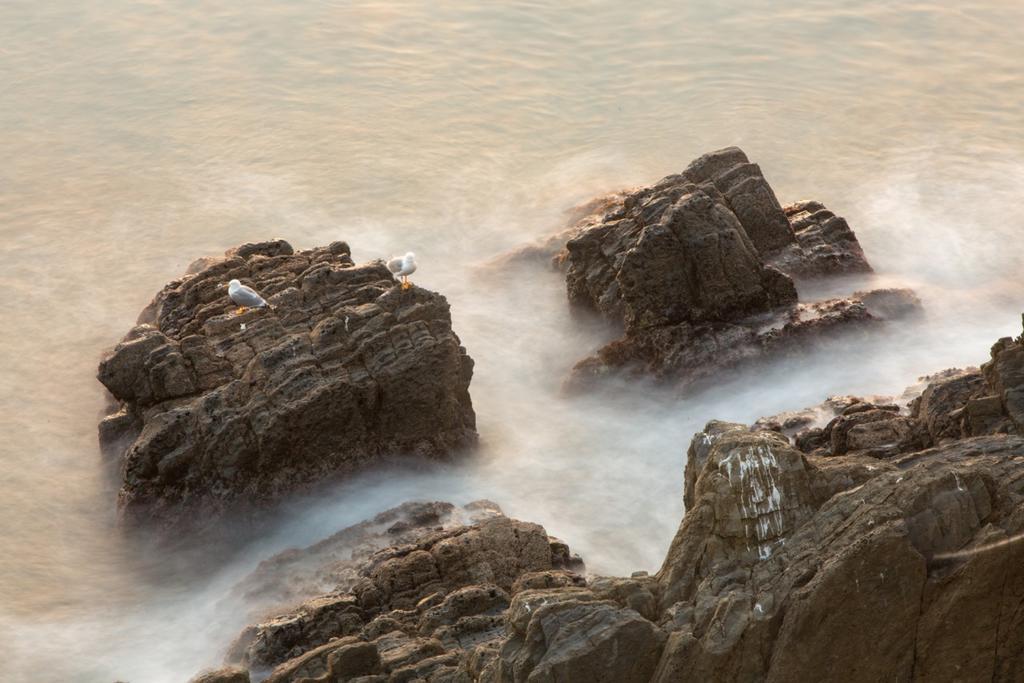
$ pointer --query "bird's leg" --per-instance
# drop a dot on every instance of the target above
(405, 282)
(240, 310)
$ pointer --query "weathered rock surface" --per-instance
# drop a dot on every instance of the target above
(839, 550)
(333, 564)
(228, 674)
(697, 270)
(871, 541)
(689, 354)
(221, 412)
(824, 244)
(419, 603)
(893, 550)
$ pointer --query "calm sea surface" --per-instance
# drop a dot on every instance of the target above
(135, 137)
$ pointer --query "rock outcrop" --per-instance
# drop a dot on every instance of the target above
(332, 565)
(892, 549)
(763, 580)
(951, 405)
(407, 610)
(220, 412)
(698, 271)
(688, 354)
(228, 674)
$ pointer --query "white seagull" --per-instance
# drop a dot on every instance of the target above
(403, 267)
(245, 297)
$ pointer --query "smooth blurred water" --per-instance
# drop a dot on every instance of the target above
(138, 136)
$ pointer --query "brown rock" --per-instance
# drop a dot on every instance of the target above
(874, 550)
(786, 567)
(237, 411)
(871, 428)
(825, 244)
(565, 638)
(228, 674)
(940, 407)
(333, 564)
(450, 585)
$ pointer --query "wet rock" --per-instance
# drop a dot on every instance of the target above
(690, 355)
(338, 660)
(912, 563)
(824, 244)
(869, 553)
(695, 263)
(236, 411)
(450, 586)
(313, 623)
(569, 637)
(810, 423)
(747, 194)
(891, 303)
(958, 403)
(297, 575)
(1004, 375)
(878, 429)
(228, 674)
(940, 407)
(696, 270)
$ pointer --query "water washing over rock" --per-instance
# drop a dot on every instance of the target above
(901, 562)
(699, 270)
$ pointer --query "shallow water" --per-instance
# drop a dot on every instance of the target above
(138, 136)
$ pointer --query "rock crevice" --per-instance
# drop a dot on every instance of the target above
(224, 412)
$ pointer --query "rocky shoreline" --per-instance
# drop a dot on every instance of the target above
(886, 545)
(876, 538)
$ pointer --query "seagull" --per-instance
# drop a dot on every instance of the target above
(245, 297)
(403, 267)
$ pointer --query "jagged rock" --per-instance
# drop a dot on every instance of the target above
(450, 586)
(696, 270)
(861, 565)
(1004, 375)
(787, 566)
(233, 412)
(228, 674)
(878, 429)
(339, 660)
(747, 194)
(495, 551)
(689, 355)
(794, 423)
(677, 255)
(471, 601)
(824, 244)
(333, 564)
(802, 240)
(565, 638)
(941, 405)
